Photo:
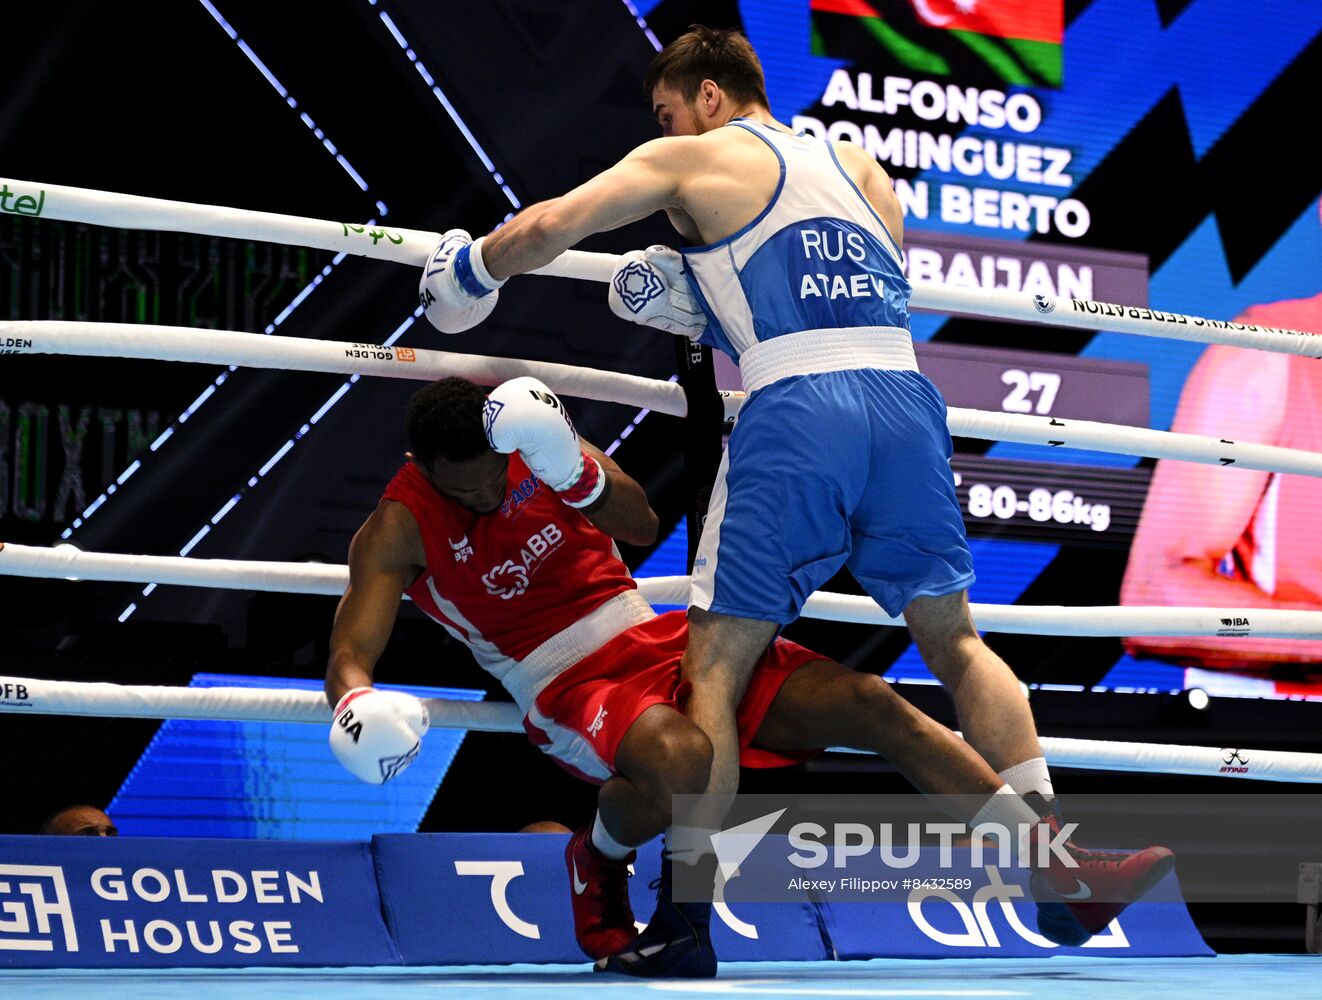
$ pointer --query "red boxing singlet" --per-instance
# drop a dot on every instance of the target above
(516, 585)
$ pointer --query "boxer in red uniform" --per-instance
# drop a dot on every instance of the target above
(500, 528)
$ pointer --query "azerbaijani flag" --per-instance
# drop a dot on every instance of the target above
(1005, 41)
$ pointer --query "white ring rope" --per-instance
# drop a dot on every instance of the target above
(1088, 435)
(1083, 314)
(230, 704)
(412, 246)
(44, 697)
(170, 343)
(67, 562)
(254, 350)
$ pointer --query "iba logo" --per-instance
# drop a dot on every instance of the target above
(1234, 626)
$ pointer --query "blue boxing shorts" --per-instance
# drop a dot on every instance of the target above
(826, 470)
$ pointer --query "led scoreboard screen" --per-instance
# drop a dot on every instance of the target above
(1139, 152)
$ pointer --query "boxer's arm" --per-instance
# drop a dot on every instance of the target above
(646, 181)
(383, 561)
(622, 511)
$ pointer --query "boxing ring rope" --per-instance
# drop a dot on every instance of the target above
(140, 701)
(1089, 435)
(255, 350)
(67, 562)
(412, 246)
(166, 343)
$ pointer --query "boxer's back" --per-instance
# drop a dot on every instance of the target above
(737, 175)
(794, 247)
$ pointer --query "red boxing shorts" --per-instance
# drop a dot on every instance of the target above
(581, 716)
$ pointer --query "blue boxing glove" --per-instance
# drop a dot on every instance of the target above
(456, 291)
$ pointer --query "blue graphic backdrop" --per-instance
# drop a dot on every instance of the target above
(272, 780)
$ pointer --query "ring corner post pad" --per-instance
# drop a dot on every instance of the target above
(702, 436)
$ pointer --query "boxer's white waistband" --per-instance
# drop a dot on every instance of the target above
(811, 352)
(526, 679)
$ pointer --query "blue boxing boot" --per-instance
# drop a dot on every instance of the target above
(677, 941)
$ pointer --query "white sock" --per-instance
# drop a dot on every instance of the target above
(1006, 808)
(605, 843)
(1009, 812)
(687, 845)
(1030, 776)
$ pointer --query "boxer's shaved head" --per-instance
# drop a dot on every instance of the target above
(80, 821)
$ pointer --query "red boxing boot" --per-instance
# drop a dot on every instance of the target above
(1074, 903)
(603, 918)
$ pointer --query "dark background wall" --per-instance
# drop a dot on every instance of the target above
(160, 100)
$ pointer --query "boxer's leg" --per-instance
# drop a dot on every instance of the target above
(993, 713)
(662, 754)
(825, 704)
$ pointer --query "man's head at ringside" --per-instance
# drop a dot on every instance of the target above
(702, 79)
(80, 821)
(448, 442)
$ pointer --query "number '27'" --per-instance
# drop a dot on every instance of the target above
(1022, 384)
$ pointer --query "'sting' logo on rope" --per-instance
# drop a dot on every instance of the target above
(1236, 762)
(637, 284)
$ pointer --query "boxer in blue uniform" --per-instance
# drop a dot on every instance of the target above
(841, 452)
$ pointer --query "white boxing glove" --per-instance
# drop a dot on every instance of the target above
(650, 287)
(376, 734)
(523, 415)
(456, 291)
